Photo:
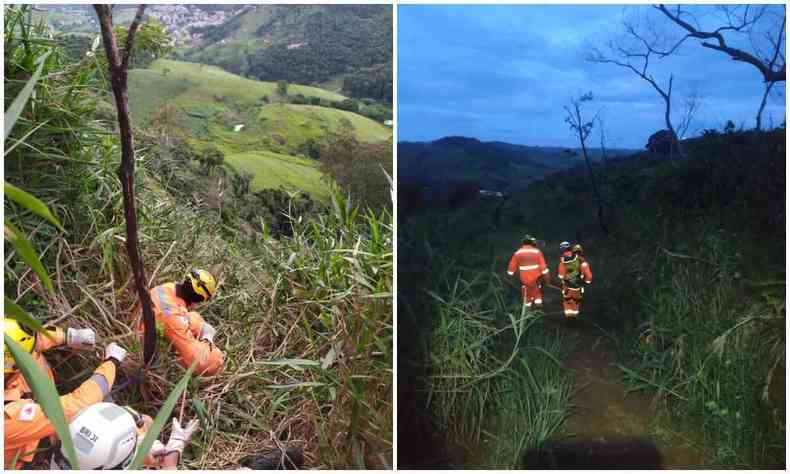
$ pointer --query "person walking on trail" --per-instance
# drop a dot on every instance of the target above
(15, 384)
(574, 272)
(26, 425)
(533, 272)
(108, 436)
(191, 336)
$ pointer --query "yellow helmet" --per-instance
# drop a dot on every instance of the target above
(578, 248)
(20, 335)
(203, 283)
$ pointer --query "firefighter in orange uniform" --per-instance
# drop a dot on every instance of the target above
(191, 336)
(574, 272)
(25, 423)
(533, 272)
(15, 385)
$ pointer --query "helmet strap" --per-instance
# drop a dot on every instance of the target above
(185, 291)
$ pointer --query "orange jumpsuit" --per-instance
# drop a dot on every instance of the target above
(182, 328)
(15, 384)
(529, 261)
(26, 424)
(572, 291)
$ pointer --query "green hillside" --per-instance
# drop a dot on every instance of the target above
(272, 170)
(299, 123)
(303, 302)
(208, 106)
(348, 44)
(183, 81)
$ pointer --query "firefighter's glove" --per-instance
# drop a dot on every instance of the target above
(80, 338)
(207, 332)
(179, 437)
(115, 352)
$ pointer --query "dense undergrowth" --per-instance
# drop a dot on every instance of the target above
(487, 373)
(691, 277)
(303, 310)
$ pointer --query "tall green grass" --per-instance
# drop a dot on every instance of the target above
(305, 320)
(709, 353)
(496, 384)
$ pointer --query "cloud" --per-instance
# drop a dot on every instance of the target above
(504, 73)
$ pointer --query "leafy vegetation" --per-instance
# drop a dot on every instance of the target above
(362, 170)
(304, 305)
(691, 278)
(477, 358)
(204, 106)
(306, 44)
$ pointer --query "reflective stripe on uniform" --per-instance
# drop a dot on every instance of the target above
(528, 305)
(588, 282)
(510, 273)
(538, 301)
(571, 311)
(166, 308)
(102, 382)
(528, 267)
(527, 251)
(545, 270)
(585, 264)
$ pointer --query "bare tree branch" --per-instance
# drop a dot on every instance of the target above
(691, 105)
(127, 51)
(622, 56)
(118, 80)
(583, 130)
(768, 70)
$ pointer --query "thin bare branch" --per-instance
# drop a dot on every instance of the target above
(769, 73)
(127, 52)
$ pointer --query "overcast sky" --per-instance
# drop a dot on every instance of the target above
(504, 73)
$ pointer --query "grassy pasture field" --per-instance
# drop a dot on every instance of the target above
(211, 103)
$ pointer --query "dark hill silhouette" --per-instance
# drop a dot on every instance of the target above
(437, 171)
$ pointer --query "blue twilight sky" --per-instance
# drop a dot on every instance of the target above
(504, 73)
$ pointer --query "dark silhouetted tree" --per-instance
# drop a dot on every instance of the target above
(582, 130)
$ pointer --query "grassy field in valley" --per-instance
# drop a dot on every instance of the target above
(246, 120)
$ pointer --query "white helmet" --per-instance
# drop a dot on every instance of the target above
(104, 436)
(565, 245)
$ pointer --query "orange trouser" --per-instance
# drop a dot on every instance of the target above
(571, 301)
(183, 330)
(531, 293)
(26, 424)
(183, 333)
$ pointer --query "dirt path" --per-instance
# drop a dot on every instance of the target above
(609, 427)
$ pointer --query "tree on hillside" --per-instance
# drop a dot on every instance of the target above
(763, 25)
(282, 88)
(583, 129)
(211, 158)
(119, 66)
(360, 169)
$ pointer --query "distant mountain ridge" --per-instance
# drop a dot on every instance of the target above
(465, 161)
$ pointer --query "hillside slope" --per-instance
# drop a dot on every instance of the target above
(245, 120)
(459, 163)
(313, 44)
(688, 288)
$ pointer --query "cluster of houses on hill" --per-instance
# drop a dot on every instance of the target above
(178, 20)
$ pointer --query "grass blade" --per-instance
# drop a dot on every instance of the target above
(159, 422)
(28, 254)
(15, 311)
(45, 394)
(13, 112)
(31, 203)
